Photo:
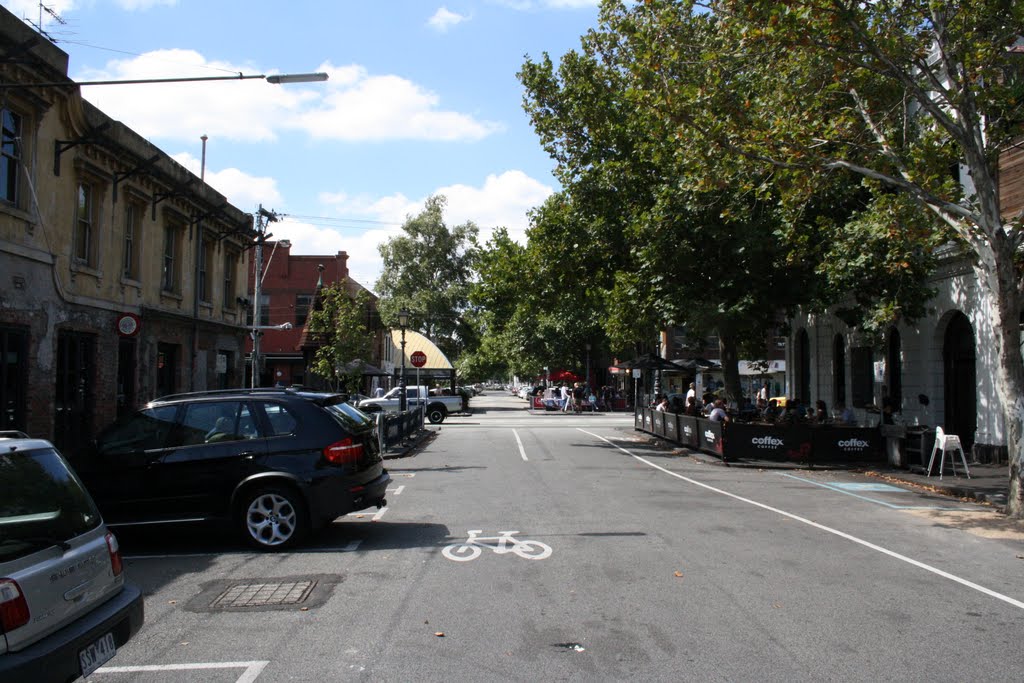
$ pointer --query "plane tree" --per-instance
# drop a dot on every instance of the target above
(427, 270)
(679, 234)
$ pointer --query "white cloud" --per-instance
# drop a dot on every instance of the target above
(353, 105)
(222, 109)
(357, 106)
(243, 191)
(503, 200)
(444, 19)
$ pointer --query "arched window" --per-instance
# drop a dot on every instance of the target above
(838, 370)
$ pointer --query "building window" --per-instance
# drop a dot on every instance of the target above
(10, 156)
(171, 274)
(85, 224)
(264, 310)
(230, 266)
(132, 232)
(302, 302)
(205, 270)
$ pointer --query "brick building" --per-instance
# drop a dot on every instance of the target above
(287, 289)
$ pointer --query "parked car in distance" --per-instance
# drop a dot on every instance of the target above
(65, 606)
(438, 407)
(274, 464)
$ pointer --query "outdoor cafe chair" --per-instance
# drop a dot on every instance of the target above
(947, 443)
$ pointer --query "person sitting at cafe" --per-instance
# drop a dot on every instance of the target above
(662, 404)
(820, 412)
(793, 412)
(845, 414)
(691, 406)
(718, 413)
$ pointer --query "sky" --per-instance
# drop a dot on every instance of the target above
(422, 99)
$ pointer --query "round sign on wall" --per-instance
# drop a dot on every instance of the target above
(128, 324)
(418, 359)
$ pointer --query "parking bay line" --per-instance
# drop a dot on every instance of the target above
(895, 489)
(803, 520)
(252, 669)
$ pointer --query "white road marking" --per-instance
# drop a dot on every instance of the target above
(519, 441)
(867, 544)
(360, 514)
(252, 669)
(397, 490)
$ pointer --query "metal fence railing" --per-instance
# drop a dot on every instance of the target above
(393, 429)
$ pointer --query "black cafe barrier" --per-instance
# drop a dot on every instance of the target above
(750, 440)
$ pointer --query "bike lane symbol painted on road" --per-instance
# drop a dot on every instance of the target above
(502, 544)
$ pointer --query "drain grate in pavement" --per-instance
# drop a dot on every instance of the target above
(264, 594)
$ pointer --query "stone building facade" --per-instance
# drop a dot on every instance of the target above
(120, 270)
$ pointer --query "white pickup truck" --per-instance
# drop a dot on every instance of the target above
(438, 407)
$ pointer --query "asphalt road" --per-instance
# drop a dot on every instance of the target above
(628, 562)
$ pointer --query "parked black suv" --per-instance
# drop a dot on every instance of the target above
(274, 463)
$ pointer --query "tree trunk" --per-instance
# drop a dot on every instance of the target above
(999, 285)
(728, 355)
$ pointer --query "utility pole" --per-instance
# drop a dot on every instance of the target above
(263, 218)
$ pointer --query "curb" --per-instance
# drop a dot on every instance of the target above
(410, 448)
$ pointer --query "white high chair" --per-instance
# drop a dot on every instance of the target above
(947, 443)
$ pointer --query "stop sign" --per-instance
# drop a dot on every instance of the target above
(418, 359)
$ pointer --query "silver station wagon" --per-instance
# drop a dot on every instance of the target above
(65, 606)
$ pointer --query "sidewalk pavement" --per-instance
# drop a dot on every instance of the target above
(987, 484)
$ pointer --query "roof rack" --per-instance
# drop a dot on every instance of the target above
(230, 392)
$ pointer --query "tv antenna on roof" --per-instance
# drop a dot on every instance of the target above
(53, 14)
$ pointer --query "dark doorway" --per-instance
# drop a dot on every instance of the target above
(960, 383)
(894, 369)
(76, 389)
(166, 369)
(126, 374)
(13, 378)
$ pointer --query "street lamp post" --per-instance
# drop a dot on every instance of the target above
(263, 217)
(403, 321)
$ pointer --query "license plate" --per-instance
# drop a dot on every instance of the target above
(97, 654)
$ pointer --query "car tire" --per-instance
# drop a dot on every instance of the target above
(272, 517)
(436, 414)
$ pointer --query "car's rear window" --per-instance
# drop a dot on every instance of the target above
(42, 503)
(349, 416)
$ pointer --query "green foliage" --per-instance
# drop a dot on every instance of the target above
(428, 270)
(337, 322)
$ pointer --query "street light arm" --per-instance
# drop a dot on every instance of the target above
(276, 79)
